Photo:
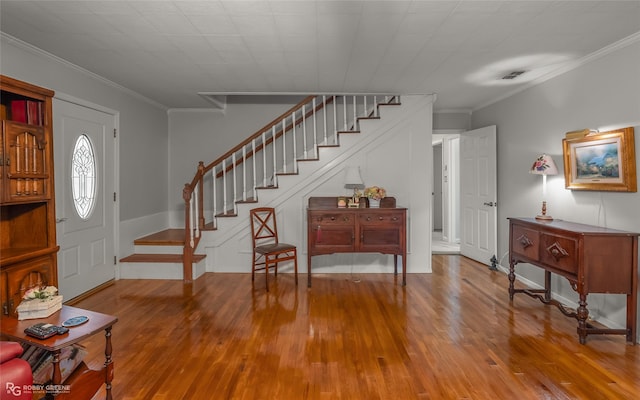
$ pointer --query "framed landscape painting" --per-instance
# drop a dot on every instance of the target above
(603, 161)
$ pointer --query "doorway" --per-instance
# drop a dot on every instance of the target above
(85, 176)
(446, 192)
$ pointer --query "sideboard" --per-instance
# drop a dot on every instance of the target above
(356, 230)
(593, 259)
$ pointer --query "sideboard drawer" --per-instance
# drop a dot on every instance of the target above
(329, 218)
(525, 242)
(559, 252)
(373, 218)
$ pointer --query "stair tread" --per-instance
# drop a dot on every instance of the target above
(159, 258)
(167, 237)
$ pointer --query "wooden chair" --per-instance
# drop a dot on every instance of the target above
(267, 250)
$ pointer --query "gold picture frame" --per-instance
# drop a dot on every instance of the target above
(602, 161)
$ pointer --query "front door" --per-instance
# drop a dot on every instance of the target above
(478, 189)
(84, 148)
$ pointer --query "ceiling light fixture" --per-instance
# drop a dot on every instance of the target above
(513, 74)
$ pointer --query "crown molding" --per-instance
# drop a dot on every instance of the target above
(38, 51)
(570, 66)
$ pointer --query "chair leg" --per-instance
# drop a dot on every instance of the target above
(253, 267)
(266, 273)
(295, 266)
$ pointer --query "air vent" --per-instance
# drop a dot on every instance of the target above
(513, 74)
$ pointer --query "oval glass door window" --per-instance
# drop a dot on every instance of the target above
(83, 176)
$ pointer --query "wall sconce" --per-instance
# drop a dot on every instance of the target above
(544, 165)
(353, 180)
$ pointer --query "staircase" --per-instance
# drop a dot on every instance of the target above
(258, 163)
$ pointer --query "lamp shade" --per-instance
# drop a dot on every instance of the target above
(352, 178)
(544, 165)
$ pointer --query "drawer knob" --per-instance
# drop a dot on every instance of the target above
(557, 251)
(395, 218)
(525, 241)
(333, 218)
(380, 218)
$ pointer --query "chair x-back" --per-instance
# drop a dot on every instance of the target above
(267, 250)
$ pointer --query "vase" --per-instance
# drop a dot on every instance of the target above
(373, 203)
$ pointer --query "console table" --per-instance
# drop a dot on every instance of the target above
(356, 230)
(593, 259)
(83, 382)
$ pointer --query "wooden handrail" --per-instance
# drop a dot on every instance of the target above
(256, 135)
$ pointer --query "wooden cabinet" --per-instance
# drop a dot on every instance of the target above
(356, 230)
(593, 259)
(27, 211)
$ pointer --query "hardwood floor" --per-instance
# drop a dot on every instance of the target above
(451, 334)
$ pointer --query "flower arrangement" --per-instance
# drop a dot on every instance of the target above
(375, 192)
(42, 293)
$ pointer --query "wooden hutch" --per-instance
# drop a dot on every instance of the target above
(28, 247)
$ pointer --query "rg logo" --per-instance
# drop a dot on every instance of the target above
(12, 389)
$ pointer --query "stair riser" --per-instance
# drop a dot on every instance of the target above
(155, 249)
(149, 270)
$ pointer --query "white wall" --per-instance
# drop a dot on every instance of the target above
(602, 94)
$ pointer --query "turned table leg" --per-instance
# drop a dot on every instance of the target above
(582, 315)
(108, 363)
(512, 278)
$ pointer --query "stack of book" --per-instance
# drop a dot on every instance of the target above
(41, 362)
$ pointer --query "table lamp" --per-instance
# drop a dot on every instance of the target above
(353, 180)
(544, 165)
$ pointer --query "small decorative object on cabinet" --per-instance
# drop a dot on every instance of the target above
(374, 194)
(27, 211)
(39, 303)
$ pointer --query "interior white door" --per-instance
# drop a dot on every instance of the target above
(478, 187)
(84, 148)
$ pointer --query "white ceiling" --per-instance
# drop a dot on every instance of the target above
(168, 51)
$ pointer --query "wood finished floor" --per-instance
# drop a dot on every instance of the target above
(448, 335)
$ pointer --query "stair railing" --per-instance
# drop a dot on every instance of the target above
(217, 188)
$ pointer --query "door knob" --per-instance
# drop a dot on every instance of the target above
(490, 203)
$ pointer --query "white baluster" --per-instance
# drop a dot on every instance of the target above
(355, 115)
(335, 120)
(214, 196)
(244, 173)
(234, 168)
(224, 186)
(255, 182)
(375, 106)
(344, 112)
(284, 146)
(295, 149)
(324, 113)
(315, 132)
(273, 146)
(366, 111)
(304, 131)
(264, 159)
(196, 213)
